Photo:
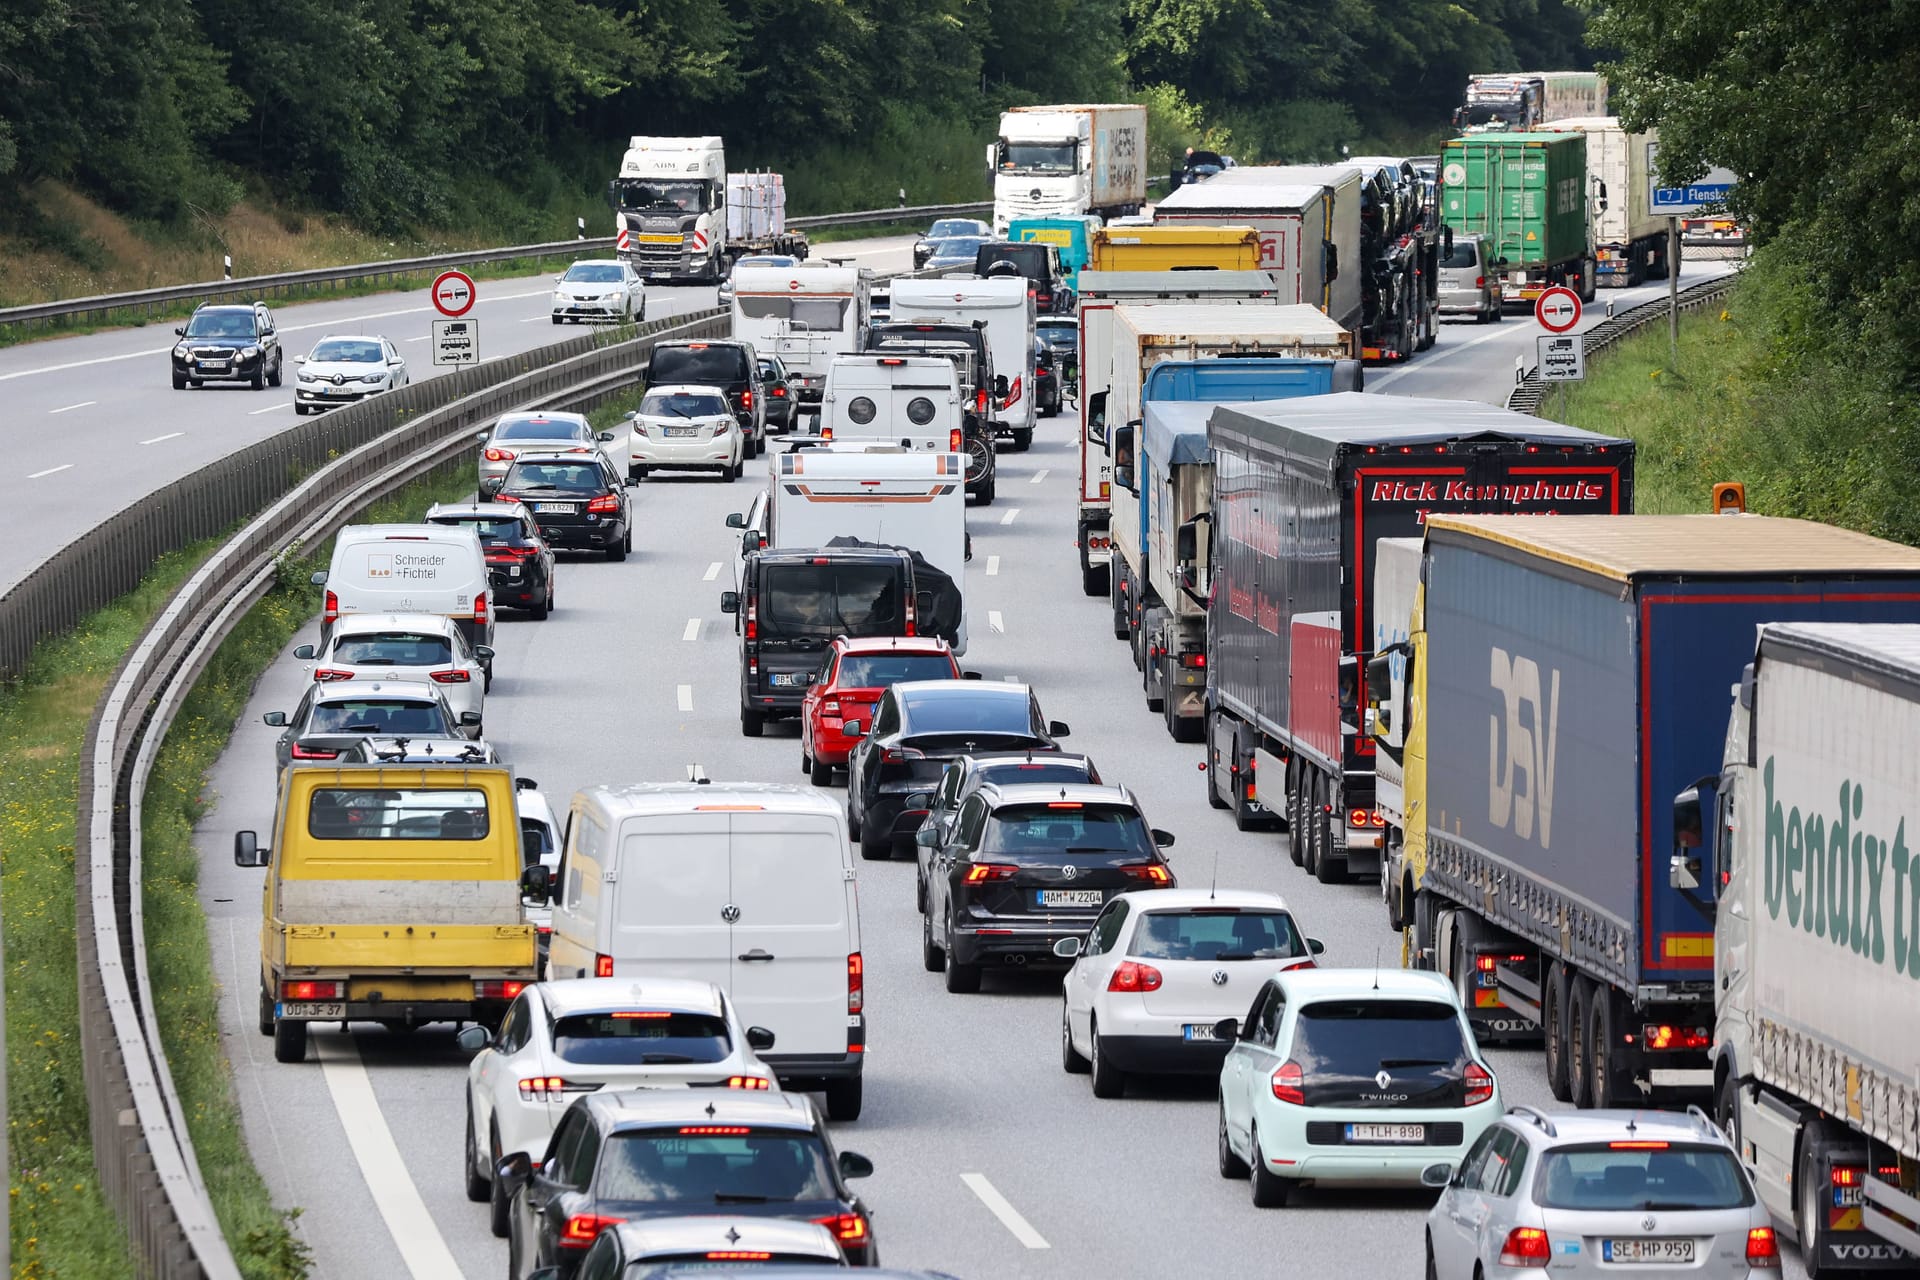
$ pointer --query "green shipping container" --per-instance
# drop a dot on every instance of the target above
(1526, 192)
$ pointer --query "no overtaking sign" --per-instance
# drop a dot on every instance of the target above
(1558, 309)
(453, 294)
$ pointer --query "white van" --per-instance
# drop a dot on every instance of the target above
(1006, 308)
(806, 315)
(911, 401)
(747, 885)
(409, 568)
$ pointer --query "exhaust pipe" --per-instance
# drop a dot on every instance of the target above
(1014, 959)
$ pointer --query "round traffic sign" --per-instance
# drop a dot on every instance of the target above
(1557, 309)
(453, 294)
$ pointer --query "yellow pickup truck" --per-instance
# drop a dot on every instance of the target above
(393, 895)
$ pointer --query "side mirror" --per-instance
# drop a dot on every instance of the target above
(473, 1039)
(729, 602)
(737, 520)
(759, 1039)
(1162, 839)
(1186, 543)
(299, 360)
(318, 578)
(1689, 820)
(1227, 1029)
(1058, 729)
(514, 1172)
(1097, 417)
(247, 851)
(1067, 948)
(1446, 241)
(1380, 675)
(1000, 386)
(1123, 476)
(854, 728)
(750, 542)
(1500, 262)
(970, 675)
(536, 883)
(1436, 1175)
(855, 1165)
(180, 330)
(1316, 947)
(484, 652)
(468, 719)
(926, 837)
(525, 784)
(278, 719)
(605, 437)
(306, 653)
(918, 800)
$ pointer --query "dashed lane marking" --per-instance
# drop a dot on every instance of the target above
(993, 566)
(994, 622)
(1008, 518)
(1038, 476)
(686, 697)
(171, 435)
(69, 408)
(693, 630)
(254, 413)
(1009, 1216)
(713, 571)
(51, 471)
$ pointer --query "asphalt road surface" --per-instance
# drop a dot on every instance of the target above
(991, 1162)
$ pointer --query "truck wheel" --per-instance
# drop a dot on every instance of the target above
(266, 1011)
(1604, 1076)
(1093, 577)
(1726, 1108)
(1117, 597)
(843, 1098)
(1809, 1200)
(1553, 1030)
(1579, 1050)
(752, 723)
(1329, 867)
(289, 1041)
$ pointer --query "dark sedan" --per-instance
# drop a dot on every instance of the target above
(519, 561)
(918, 728)
(947, 229)
(578, 500)
(781, 394)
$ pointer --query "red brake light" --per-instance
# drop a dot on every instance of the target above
(505, 497)
(329, 675)
(1665, 1037)
(746, 399)
(891, 362)
(1290, 1084)
(332, 609)
(847, 1228)
(583, 1229)
(1480, 1085)
(498, 989)
(455, 676)
(856, 983)
(305, 990)
(1637, 1146)
(980, 401)
(900, 755)
(747, 1082)
(779, 392)
(500, 455)
(1525, 1247)
(714, 1130)
(1134, 976)
(981, 872)
(1762, 1249)
(480, 609)
(1193, 660)
(1151, 872)
(307, 753)
(738, 1255)
(603, 966)
(954, 442)
(542, 1089)
(1479, 282)
(605, 502)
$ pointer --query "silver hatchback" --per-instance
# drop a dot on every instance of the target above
(1466, 286)
(1599, 1193)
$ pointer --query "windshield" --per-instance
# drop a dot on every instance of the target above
(954, 227)
(958, 246)
(879, 670)
(771, 260)
(346, 351)
(1061, 337)
(1359, 1037)
(1066, 827)
(338, 813)
(221, 324)
(916, 334)
(1660, 1177)
(382, 717)
(593, 273)
(800, 312)
(698, 364)
(690, 195)
(491, 529)
(1037, 157)
(569, 477)
(1492, 113)
(393, 649)
(1216, 933)
(831, 600)
(535, 429)
(683, 404)
(641, 1038)
(972, 710)
(1464, 254)
(739, 1168)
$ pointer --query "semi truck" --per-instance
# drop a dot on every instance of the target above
(1526, 194)
(1799, 845)
(1065, 161)
(1596, 651)
(1521, 100)
(1399, 267)
(1071, 236)
(1100, 292)
(1157, 248)
(1629, 242)
(679, 215)
(1302, 491)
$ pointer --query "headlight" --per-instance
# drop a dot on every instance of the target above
(373, 377)
(181, 351)
(250, 353)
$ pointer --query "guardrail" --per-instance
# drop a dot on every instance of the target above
(248, 288)
(1528, 391)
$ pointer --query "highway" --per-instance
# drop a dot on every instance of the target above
(992, 1163)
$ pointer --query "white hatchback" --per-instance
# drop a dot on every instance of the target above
(343, 368)
(685, 428)
(563, 1039)
(1158, 972)
(404, 646)
(599, 290)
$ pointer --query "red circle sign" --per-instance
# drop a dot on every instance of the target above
(453, 294)
(1558, 309)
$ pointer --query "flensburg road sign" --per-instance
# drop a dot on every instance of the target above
(1557, 309)
(453, 294)
(1684, 202)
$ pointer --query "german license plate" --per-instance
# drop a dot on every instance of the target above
(1196, 1031)
(1651, 1251)
(1387, 1133)
(658, 239)
(554, 508)
(1852, 1197)
(682, 433)
(784, 678)
(338, 391)
(312, 1009)
(1069, 897)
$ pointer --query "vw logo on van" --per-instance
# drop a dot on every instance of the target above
(1069, 871)
(730, 913)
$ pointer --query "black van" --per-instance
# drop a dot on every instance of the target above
(726, 365)
(1039, 263)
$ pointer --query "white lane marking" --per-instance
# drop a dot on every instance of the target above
(422, 338)
(1445, 350)
(1038, 476)
(421, 1246)
(686, 697)
(68, 408)
(713, 571)
(993, 566)
(1009, 517)
(171, 435)
(693, 630)
(254, 413)
(1009, 1216)
(50, 471)
(994, 622)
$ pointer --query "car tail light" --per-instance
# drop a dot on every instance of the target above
(332, 614)
(1366, 818)
(900, 755)
(1479, 282)
(1290, 1084)
(980, 401)
(582, 1229)
(500, 455)
(307, 990)
(954, 441)
(1151, 872)
(605, 502)
(738, 1255)
(1525, 1247)
(981, 872)
(1134, 976)
(856, 983)
(753, 618)
(778, 393)
(480, 610)
(826, 433)
(301, 752)
(603, 966)
(1479, 1084)
(748, 1082)
(1640, 1145)
(549, 1089)
(456, 676)
(1762, 1249)
(830, 707)
(328, 675)
(713, 1130)
(746, 399)
(847, 1228)
(497, 989)
(506, 497)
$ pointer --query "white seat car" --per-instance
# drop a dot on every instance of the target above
(1350, 1076)
(685, 428)
(562, 1039)
(1158, 972)
(708, 1244)
(343, 368)
(404, 646)
(599, 290)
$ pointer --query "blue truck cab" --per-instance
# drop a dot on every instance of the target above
(1072, 236)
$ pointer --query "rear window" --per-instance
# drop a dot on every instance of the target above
(880, 335)
(800, 312)
(1031, 259)
(536, 840)
(704, 364)
(571, 477)
(341, 813)
(878, 670)
(1063, 827)
(535, 429)
(714, 1168)
(381, 717)
(393, 649)
(1464, 254)
(492, 530)
(1207, 933)
(967, 712)
(1037, 771)
(1602, 1177)
(1359, 1037)
(683, 404)
(641, 1038)
(830, 600)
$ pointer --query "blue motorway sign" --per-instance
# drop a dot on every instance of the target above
(1683, 202)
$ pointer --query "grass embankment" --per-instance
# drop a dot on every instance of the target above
(62, 1227)
(1756, 394)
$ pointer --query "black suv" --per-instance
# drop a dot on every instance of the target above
(578, 501)
(728, 366)
(1039, 263)
(228, 343)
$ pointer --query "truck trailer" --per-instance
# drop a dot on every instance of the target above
(806, 316)
(1526, 194)
(1174, 249)
(1066, 161)
(679, 215)
(1521, 100)
(1629, 242)
(1799, 844)
(1296, 226)
(1349, 189)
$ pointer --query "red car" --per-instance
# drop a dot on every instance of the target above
(856, 672)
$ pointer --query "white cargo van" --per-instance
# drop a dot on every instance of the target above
(911, 401)
(747, 885)
(409, 568)
(1006, 308)
(806, 315)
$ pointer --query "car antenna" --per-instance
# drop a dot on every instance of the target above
(1376, 967)
(710, 1111)
(1214, 883)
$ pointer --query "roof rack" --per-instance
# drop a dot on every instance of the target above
(1704, 1121)
(1536, 1117)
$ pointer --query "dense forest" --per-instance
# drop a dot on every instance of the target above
(404, 113)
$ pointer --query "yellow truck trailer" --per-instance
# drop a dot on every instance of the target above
(1174, 249)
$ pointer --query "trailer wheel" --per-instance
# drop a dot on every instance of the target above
(1579, 1046)
(1296, 830)
(1553, 1030)
(1809, 1208)
(1603, 1034)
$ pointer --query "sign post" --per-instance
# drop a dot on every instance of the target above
(1673, 204)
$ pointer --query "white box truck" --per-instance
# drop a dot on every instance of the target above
(1802, 839)
(1630, 243)
(804, 315)
(1347, 184)
(674, 217)
(1006, 310)
(1296, 226)
(1061, 162)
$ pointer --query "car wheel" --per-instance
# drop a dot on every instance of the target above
(289, 1041)
(266, 1011)
(259, 379)
(1579, 1061)
(962, 979)
(876, 846)
(752, 723)
(479, 1187)
(933, 957)
(728, 471)
(500, 1203)
(1433, 1268)
(179, 382)
(273, 379)
(1023, 439)
(618, 551)
(1108, 1080)
(853, 823)
(1269, 1192)
(558, 320)
(1232, 1167)
(540, 611)
(919, 892)
(1553, 1031)
(1071, 1060)
(302, 410)
(196, 383)
(819, 772)
(843, 1098)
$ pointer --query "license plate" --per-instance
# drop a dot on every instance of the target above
(554, 508)
(1198, 1032)
(784, 678)
(1069, 897)
(1849, 1197)
(1656, 1251)
(681, 433)
(1386, 1133)
(658, 239)
(338, 391)
(321, 1009)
